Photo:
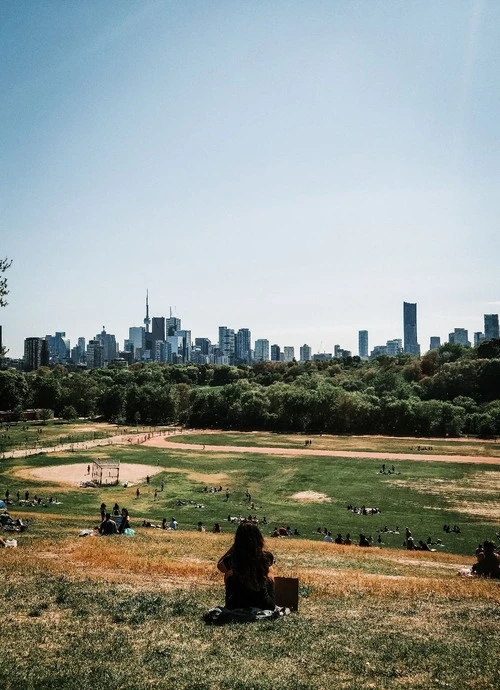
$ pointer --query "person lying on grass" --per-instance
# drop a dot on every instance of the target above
(247, 569)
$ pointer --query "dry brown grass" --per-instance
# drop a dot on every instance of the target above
(179, 559)
(477, 484)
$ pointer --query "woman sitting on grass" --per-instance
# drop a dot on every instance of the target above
(125, 523)
(247, 570)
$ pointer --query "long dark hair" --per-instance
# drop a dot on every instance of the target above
(250, 563)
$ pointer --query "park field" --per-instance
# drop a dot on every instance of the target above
(362, 444)
(118, 612)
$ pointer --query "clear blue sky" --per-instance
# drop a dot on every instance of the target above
(297, 168)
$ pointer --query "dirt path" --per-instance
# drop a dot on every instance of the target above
(158, 442)
(120, 440)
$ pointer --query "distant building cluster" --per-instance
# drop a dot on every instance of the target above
(162, 339)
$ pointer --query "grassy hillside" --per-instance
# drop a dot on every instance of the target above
(114, 613)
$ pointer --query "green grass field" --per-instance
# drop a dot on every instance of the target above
(114, 613)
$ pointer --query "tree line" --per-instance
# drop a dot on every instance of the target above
(448, 392)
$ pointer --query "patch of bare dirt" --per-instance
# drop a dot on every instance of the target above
(74, 474)
(311, 497)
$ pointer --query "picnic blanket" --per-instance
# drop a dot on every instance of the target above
(220, 615)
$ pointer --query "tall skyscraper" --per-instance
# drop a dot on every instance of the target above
(36, 353)
(261, 352)
(158, 328)
(491, 330)
(59, 347)
(363, 344)
(288, 353)
(186, 344)
(275, 353)
(226, 343)
(305, 353)
(243, 347)
(172, 324)
(478, 338)
(109, 347)
(95, 354)
(410, 329)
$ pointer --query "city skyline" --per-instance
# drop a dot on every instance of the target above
(299, 170)
(238, 343)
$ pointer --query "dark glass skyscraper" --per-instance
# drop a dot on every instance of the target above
(410, 329)
(491, 329)
(363, 344)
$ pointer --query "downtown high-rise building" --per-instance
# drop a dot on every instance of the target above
(288, 353)
(95, 354)
(411, 345)
(204, 345)
(158, 328)
(172, 325)
(36, 353)
(460, 336)
(305, 353)
(363, 344)
(275, 353)
(491, 330)
(243, 347)
(227, 343)
(261, 351)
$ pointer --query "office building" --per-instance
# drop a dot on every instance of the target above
(394, 347)
(478, 338)
(305, 353)
(288, 353)
(363, 344)
(491, 326)
(172, 324)
(36, 353)
(460, 336)
(435, 342)
(176, 343)
(411, 345)
(243, 347)
(59, 347)
(109, 346)
(275, 353)
(158, 328)
(340, 353)
(204, 345)
(186, 344)
(378, 351)
(261, 350)
(95, 354)
(226, 343)
(136, 341)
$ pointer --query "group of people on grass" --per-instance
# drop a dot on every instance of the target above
(118, 524)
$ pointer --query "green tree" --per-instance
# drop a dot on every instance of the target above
(4, 265)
